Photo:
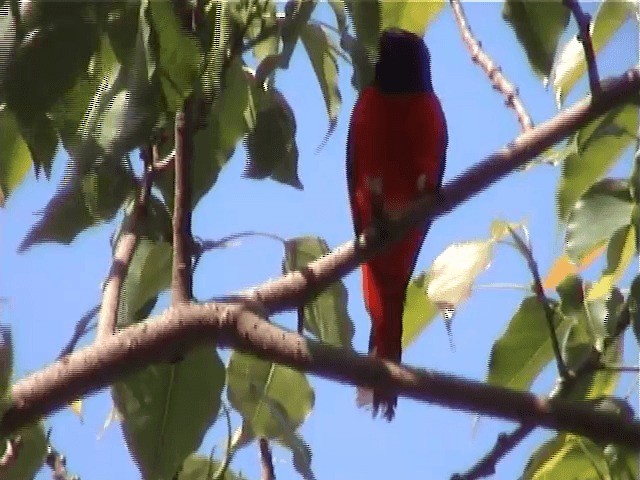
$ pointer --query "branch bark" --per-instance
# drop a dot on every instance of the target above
(122, 256)
(247, 330)
(266, 461)
(181, 277)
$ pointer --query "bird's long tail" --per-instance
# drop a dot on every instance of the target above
(385, 279)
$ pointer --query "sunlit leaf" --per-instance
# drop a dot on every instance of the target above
(326, 316)
(15, 159)
(409, 15)
(198, 467)
(167, 409)
(538, 26)
(31, 454)
(620, 253)
(593, 150)
(570, 64)
(419, 311)
(564, 267)
(524, 349)
(602, 210)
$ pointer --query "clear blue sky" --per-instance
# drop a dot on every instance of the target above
(51, 286)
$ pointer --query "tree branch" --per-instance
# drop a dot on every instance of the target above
(583, 20)
(296, 288)
(181, 275)
(497, 79)
(246, 330)
(152, 341)
(266, 461)
(123, 254)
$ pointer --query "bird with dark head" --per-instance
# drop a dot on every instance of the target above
(396, 149)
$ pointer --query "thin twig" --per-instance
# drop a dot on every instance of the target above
(619, 368)
(544, 302)
(505, 442)
(181, 276)
(496, 77)
(82, 328)
(266, 461)
(123, 254)
(583, 19)
(223, 242)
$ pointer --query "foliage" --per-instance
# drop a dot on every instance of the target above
(103, 79)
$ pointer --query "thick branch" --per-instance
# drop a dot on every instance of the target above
(266, 461)
(181, 277)
(497, 79)
(583, 20)
(122, 256)
(188, 325)
(298, 287)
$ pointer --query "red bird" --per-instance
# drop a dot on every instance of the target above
(396, 149)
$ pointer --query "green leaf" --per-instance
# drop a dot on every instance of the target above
(411, 16)
(271, 145)
(340, 11)
(272, 399)
(325, 64)
(211, 80)
(149, 273)
(567, 456)
(593, 150)
(49, 59)
(83, 200)
(326, 316)
(168, 408)
(570, 64)
(521, 353)
(298, 13)
(177, 53)
(197, 467)
(538, 26)
(419, 311)
(301, 451)
(261, 18)
(214, 144)
(15, 159)
(31, 454)
(623, 462)
(602, 210)
(366, 17)
(8, 42)
(42, 140)
(620, 252)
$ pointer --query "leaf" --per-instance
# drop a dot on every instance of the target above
(301, 452)
(257, 389)
(298, 13)
(149, 273)
(262, 17)
(566, 456)
(167, 409)
(213, 145)
(325, 64)
(326, 316)
(15, 159)
(538, 26)
(570, 64)
(419, 311)
(31, 454)
(564, 267)
(455, 270)
(42, 140)
(177, 53)
(219, 18)
(340, 11)
(366, 17)
(82, 200)
(409, 15)
(48, 60)
(620, 252)
(602, 210)
(593, 150)
(271, 144)
(520, 354)
(197, 467)
(623, 462)
(8, 42)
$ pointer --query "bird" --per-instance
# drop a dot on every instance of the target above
(396, 153)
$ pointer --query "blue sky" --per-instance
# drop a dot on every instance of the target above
(51, 286)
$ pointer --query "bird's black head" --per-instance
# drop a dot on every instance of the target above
(404, 63)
